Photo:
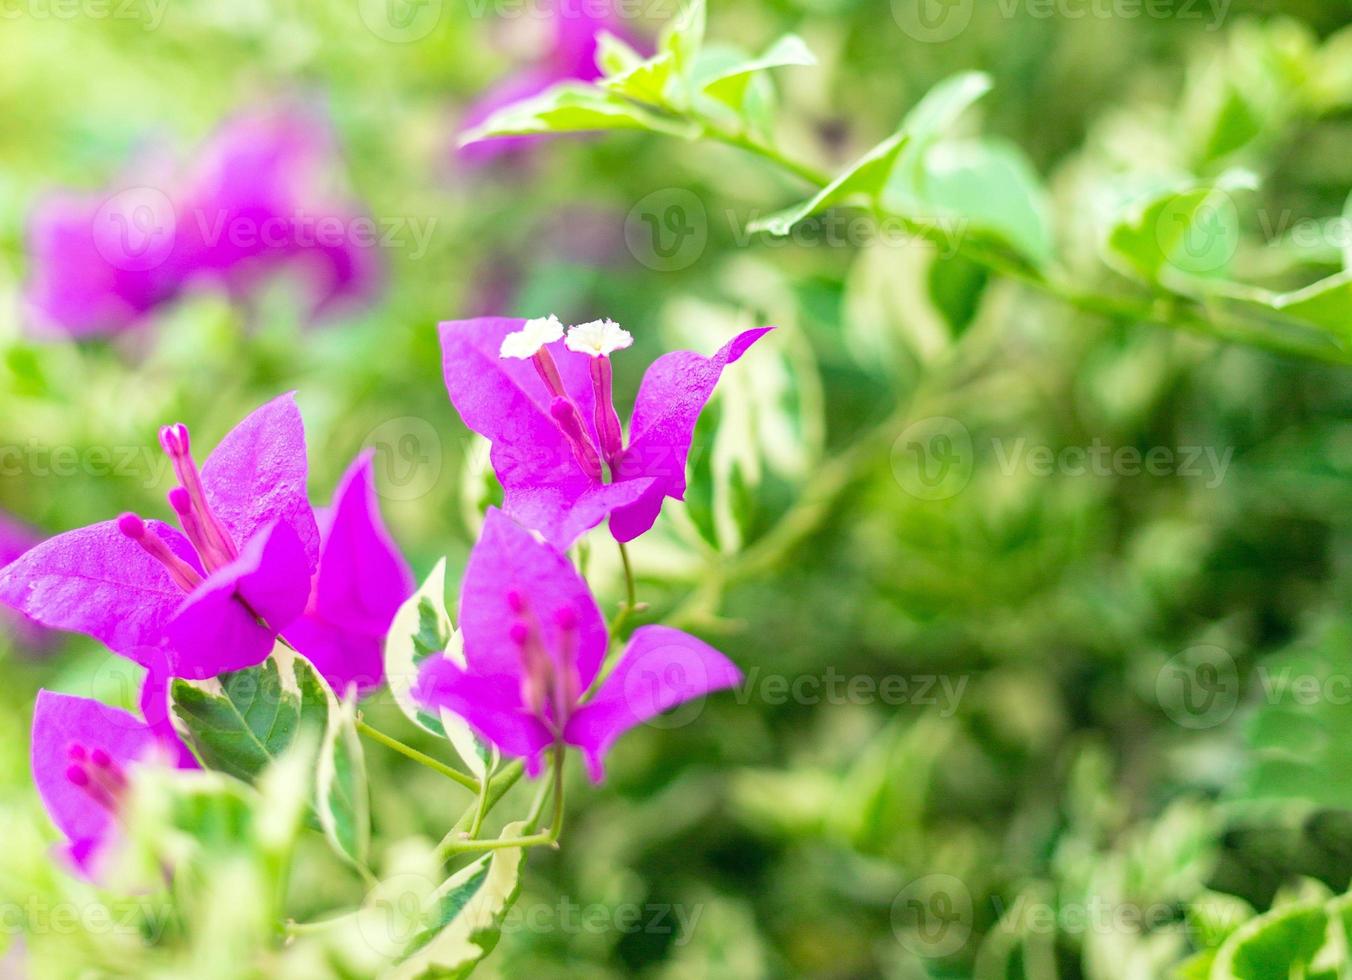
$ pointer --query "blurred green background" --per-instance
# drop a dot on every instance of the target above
(1000, 704)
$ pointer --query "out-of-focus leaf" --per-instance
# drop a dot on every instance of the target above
(571, 107)
(864, 178)
(465, 921)
(342, 797)
(1275, 946)
(420, 629)
(730, 85)
(1193, 231)
(978, 186)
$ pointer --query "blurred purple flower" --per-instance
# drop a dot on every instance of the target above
(84, 754)
(571, 56)
(534, 642)
(260, 198)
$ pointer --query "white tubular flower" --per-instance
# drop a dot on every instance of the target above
(599, 338)
(533, 335)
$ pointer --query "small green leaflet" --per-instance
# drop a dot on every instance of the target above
(248, 718)
(683, 37)
(1283, 943)
(868, 176)
(1191, 231)
(730, 85)
(465, 921)
(572, 107)
(342, 799)
(420, 629)
(864, 178)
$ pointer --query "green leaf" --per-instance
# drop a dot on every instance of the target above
(978, 185)
(242, 721)
(342, 798)
(614, 55)
(466, 917)
(864, 178)
(645, 81)
(683, 37)
(939, 109)
(1193, 231)
(1276, 946)
(420, 629)
(572, 107)
(868, 176)
(1326, 304)
(730, 85)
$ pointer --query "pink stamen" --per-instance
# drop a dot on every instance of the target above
(218, 549)
(566, 415)
(97, 774)
(197, 533)
(549, 373)
(567, 693)
(184, 575)
(606, 418)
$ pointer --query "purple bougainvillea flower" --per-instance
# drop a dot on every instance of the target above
(571, 56)
(255, 202)
(361, 583)
(251, 204)
(534, 641)
(212, 597)
(84, 753)
(558, 448)
(15, 539)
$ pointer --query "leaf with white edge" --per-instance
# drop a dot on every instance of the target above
(466, 917)
(341, 796)
(422, 628)
(1283, 943)
(730, 85)
(1192, 231)
(864, 178)
(572, 107)
(242, 721)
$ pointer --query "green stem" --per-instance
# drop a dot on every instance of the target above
(497, 786)
(629, 590)
(449, 848)
(408, 751)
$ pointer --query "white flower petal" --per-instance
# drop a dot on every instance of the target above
(534, 334)
(599, 338)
